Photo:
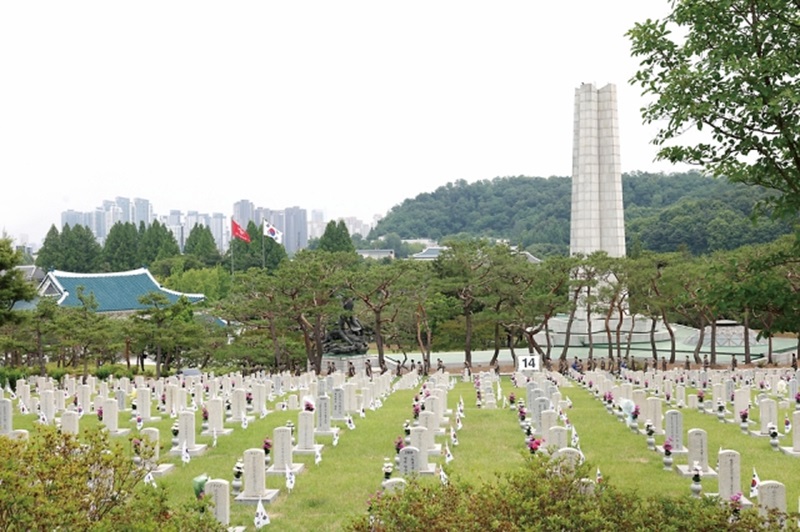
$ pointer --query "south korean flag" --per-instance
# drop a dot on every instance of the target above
(289, 480)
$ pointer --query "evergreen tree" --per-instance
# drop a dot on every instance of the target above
(81, 251)
(200, 244)
(336, 238)
(50, 255)
(120, 252)
(13, 286)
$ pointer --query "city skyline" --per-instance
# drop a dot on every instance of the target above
(295, 221)
(349, 108)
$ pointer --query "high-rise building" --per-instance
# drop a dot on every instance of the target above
(295, 231)
(125, 209)
(219, 230)
(142, 212)
(596, 221)
(316, 226)
(244, 212)
(72, 218)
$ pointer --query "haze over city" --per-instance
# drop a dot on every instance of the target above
(350, 108)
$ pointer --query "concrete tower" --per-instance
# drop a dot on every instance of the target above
(597, 221)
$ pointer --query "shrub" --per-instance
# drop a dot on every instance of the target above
(546, 495)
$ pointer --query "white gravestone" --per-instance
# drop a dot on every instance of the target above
(254, 479)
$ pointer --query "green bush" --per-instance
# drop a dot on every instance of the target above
(544, 495)
(55, 481)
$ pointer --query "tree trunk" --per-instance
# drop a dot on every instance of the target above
(570, 320)
(379, 338)
(700, 337)
(653, 348)
(746, 324)
(713, 360)
(496, 353)
(468, 336)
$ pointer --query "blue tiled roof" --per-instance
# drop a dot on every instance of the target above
(114, 292)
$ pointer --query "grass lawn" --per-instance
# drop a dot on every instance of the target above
(491, 443)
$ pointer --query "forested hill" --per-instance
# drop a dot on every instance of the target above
(663, 212)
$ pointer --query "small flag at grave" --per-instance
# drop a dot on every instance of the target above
(598, 476)
(569, 402)
(214, 441)
(378, 403)
(42, 418)
(448, 456)
(317, 457)
(453, 436)
(787, 425)
(443, 477)
(149, 479)
(139, 423)
(350, 423)
(244, 422)
(261, 518)
(185, 456)
(284, 406)
(335, 439)
(371, 405)
(754, 484)
(22, 408)
(172, 414)
(10, 392)
(458, 422)
(362, 413)
(263, 412)
(576, 442)
(289, 479)
(80, 412)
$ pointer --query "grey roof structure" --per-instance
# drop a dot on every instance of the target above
(114, 292)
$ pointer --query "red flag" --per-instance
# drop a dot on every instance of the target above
(238, 232)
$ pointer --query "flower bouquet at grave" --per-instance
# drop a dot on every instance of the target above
(720, 407)
(163, 398)
(701, 395)
(267, 445)
(512, 398)
(534, 444)
(249, 398)
(399, 444)
(736, 504)
(75, 399)
(797, 398)
(668, 447)
(175, 429)
(522, 412)
(415, 409)
(635, 413)
(407, 427)
(743, 415)
(136, 445)
(608, 397)
(100, 413)
(308, 406)
(591, 384)
(205, 413)
(387, 468)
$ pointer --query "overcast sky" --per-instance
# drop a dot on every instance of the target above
(346, 106)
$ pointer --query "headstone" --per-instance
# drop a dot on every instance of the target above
(219, 492)
(768, 413)
(282, 453)
(674, 431)
(730, 477)
(111, 418)
(305, 434)
(771, 496)
(571, 458)
(254, 479)
(48, 405)
(338, 411)
(697, 442)
(794, 450)
(558, 438)
(69, 422)
(152, 435)
(408, 461)
(653, 413)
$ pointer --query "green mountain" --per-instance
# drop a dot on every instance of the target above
(663, 212)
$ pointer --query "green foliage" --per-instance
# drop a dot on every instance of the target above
(730, 72)
(545, 495)
(13, 286)
(200, 244)
(120, 250)
(534, 213)
(336, 238)
(55, 481)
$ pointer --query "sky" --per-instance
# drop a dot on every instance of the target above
(350, 107)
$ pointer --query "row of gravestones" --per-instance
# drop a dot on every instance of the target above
(771, 494)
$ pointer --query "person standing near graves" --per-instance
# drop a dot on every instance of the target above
(351, 369)
(687, 365)
(646, 365)
(602, 363)
(794, 361)
(705, 362)
(368, 369)
(733, 363)
(439, 365)
(663, 363)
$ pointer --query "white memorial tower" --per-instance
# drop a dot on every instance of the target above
(597, 222)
